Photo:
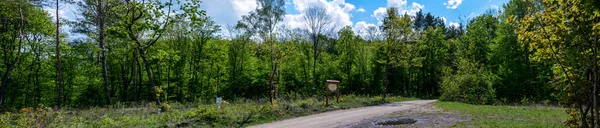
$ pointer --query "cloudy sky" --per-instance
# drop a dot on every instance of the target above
(357, 13)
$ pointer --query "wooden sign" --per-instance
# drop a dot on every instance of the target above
(331, 86)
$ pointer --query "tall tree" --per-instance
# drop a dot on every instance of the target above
(347, 43)
(11, 48)
(100, 23)
(264, 20)
(317, 20)
(510, 60)
(202, 29)
(398, 32)
(433, 48)
(59, 76)
(565, 32)
(138, 20)
(480, 32)
(93, 24)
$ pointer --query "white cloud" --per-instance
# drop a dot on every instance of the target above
(444, 19)
(361, 28)
(338, 10)
(361, 10)
(293, 21)
(379, 13)
(396, 3)
(52, 12)
(453, 4)
(454, 24)
(228, 11)
(495, 7)
(417, 6)
(402, 7)
(67, 12)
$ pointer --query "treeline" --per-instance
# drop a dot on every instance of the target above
(155, 51)
(184, 57)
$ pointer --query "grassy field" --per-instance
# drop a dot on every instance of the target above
(506, 116)
(231, 114)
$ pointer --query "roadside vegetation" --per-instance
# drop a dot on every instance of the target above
(532, 116)
(237, 113)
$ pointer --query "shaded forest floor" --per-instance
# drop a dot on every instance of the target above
(237, 113)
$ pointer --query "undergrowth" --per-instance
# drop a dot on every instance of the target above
(238, 113)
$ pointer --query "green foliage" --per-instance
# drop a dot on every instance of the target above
(475, 43)
(565, 36)
(509, 58)
(433, 48)
(173, 52)
(471, 84)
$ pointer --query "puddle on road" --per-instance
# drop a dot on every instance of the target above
(396, 121)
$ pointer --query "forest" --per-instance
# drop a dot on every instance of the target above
(158, 51)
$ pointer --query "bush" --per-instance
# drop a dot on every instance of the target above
(471, 84)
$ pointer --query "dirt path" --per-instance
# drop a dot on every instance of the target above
(346, 117)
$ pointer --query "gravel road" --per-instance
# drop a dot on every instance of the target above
(340, 118)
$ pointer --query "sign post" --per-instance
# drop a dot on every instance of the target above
(219, 99)
(331, 86)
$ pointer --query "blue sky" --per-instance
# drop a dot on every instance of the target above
(436, 7)
(359, 14)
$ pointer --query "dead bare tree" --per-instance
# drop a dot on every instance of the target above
(316, 21)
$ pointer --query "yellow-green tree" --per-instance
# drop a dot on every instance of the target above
(565, 34)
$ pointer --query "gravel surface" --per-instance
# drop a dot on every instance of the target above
(426, 116)
(365, 116)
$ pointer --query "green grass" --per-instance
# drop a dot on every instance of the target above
(507, 116)
(237, 113)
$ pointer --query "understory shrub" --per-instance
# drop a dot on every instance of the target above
(470, 84)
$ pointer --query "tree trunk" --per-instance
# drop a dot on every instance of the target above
(58, 64)
(273, 69)
(595, 82)
(388, 68)
(134, 77)
(126, 81)
(149, 74)
(168, 82)
(140, 79)
(37, 82)
(10, 67)
(4, 84)
(315, 46)
(100, 22)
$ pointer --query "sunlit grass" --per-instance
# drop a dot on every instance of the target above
(506, 116)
